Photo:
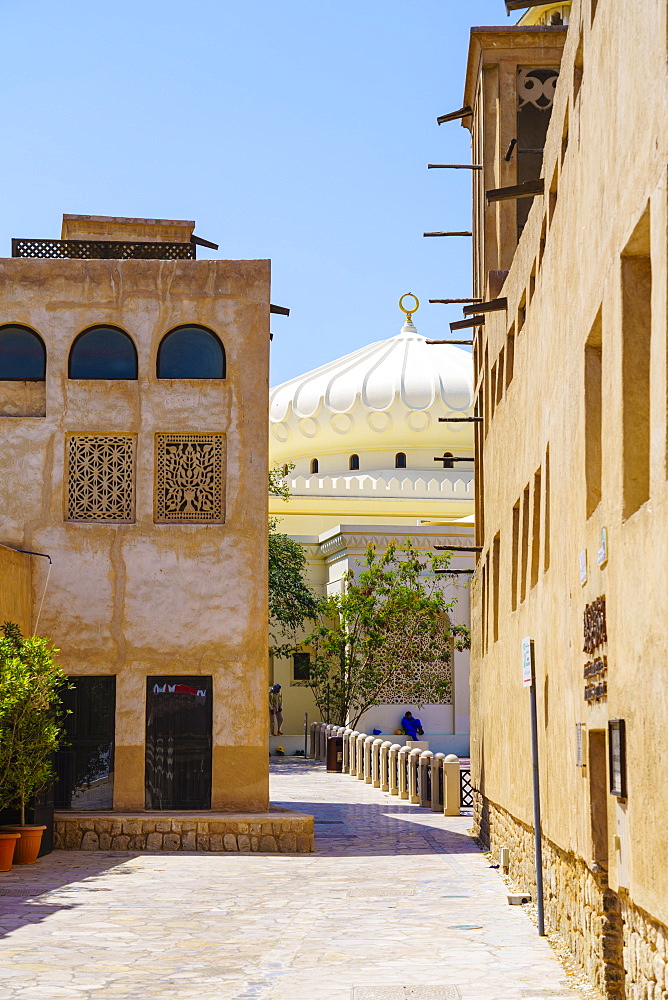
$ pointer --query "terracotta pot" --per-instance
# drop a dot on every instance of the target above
(8, 842)
(27, 847)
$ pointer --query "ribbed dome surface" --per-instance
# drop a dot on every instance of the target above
(402, 370)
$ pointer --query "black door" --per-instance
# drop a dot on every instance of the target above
(85, 764)
(178, 742)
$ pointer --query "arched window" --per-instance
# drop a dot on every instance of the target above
(191, 352)
(447, 460)
(314, 465)
(22, 355)
(354, 463)
(103, 352)
(400, 460)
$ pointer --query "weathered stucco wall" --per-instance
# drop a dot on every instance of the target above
(605, 178)
(15, 588)
(143, 598)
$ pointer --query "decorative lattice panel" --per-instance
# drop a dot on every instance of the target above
(400, 688)
(102, 250)
(190, 479)
(100, 477)
(467, 788)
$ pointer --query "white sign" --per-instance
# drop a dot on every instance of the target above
(602, 555)
(527, 662)
(583, 567)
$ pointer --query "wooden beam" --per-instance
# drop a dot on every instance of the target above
(448, 302)
(463, 233)
(459, 420)
(449, 341)
(454, 166)
(467, 324)
(279, 310)
(526, 190)
(453, 116)
(495, 305)
(458, 548)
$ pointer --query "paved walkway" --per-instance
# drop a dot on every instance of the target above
(395, 897)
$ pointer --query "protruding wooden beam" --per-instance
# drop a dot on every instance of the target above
(496, 305)
(454, 166)
(460, 420)
(449, 341)
(448, 302)
(279, 310)
(526, 190)
(467, 324)
(458, 548)
(523, 4)
(462, 233)
(453, 116)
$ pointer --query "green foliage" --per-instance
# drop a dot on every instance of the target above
(391, 622)
(30, 715)
(291, 601)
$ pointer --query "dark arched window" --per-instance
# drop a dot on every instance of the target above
(354, 463)
(22, 354)
(447, 460)
(314, 465)
(191, 352)
(400, 460)
(103, 352)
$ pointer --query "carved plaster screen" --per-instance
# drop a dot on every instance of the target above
(190, 477)
(535, 97)
(100, 477)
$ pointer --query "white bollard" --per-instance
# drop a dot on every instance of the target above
(360, 755)
(393, 767)
(437, 782)
(413, 765)
(375, 762)
(346, 749)
(403, 772)
(424, 790)
(452, 788)
(352, 753)
(385, 766)
(368, 743)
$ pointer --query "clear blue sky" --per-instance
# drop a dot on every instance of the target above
(296, 130)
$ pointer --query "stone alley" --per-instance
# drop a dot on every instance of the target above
(397, 902)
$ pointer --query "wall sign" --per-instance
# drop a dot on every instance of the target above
(583, 567)
(617, 757)
(527, 662)
(602, 554)
(595, 633)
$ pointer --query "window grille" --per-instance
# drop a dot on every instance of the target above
(190, 481)
(100, 477)
(102, 250)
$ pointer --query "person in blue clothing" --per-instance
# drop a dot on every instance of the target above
(411, 726)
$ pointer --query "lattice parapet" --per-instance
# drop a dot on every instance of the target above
(190, 477)
(100, 477)
(102, 250)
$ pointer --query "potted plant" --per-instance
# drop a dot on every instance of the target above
(30, 727)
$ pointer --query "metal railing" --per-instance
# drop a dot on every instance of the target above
(432, 781)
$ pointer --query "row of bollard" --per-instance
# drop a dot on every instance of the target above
(426, 779)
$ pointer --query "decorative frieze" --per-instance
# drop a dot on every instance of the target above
(100, 477)
(190, 477)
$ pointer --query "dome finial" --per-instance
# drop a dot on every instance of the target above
(409, 312)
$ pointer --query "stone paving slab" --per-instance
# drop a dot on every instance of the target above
(396, 900)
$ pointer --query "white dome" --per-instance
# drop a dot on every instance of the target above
(376, 405)
(404, 369)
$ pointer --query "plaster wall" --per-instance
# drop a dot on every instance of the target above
(605, 177)
(143, 598)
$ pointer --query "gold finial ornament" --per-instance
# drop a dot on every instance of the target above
(409, 312)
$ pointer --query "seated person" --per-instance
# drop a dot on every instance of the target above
(411, 726)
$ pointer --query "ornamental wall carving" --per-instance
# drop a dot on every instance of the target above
(190, 477)
(100, 477)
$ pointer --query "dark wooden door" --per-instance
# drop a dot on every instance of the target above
(178, 742)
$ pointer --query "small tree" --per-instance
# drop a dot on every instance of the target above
(30, 715)
(390, 623)
(291, 601)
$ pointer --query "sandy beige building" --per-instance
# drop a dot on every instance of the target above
(133, 422)
(571, 470)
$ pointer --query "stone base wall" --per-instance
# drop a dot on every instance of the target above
(277, 830)
(579, 906)
(622, 950)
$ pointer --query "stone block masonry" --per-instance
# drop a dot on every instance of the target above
(279, 830)
(622, 950)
